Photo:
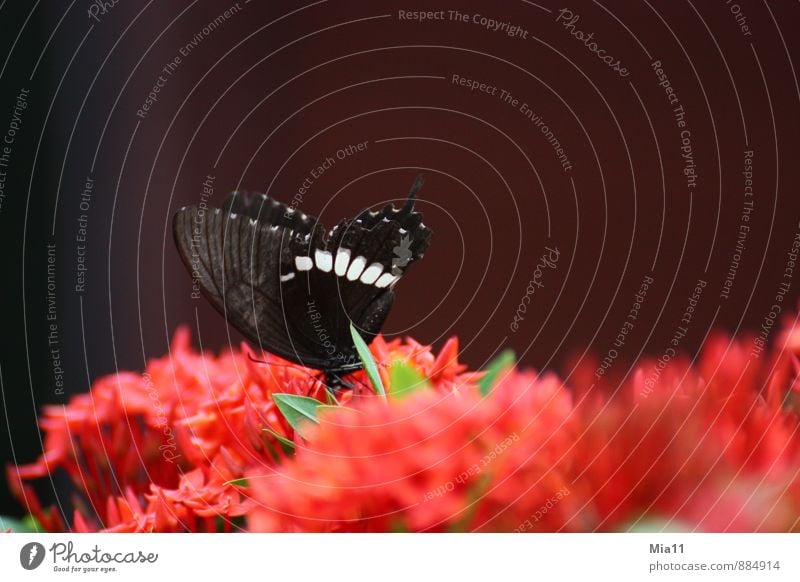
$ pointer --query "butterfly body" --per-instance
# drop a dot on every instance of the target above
(293, 287)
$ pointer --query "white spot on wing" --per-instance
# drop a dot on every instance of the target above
(385, 280)
(342, 260)
(287, 277)
(324, 260)
(356, 267)
(372, 273)
(303, 263)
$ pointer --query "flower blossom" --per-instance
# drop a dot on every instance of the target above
(165, 450)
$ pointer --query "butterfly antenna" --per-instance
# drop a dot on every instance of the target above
(256, 360)
(412, 195)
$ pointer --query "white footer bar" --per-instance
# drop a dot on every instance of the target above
(406, 557)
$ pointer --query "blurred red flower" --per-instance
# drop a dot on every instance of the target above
(194, 444)
(432, 462)
(711, 447)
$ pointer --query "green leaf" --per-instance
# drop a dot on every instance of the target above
(287, 445)
(656, 524)
(28, 524)
(405, 380)
(235, 522)
(242, 482)
(397, 526)
(297, 410)
(330, 398)
(272, 452)
(497, 366)
(369, 362)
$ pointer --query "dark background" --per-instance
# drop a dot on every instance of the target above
(276, 88)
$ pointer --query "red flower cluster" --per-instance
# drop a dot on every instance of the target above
(166, 450)
(191, 445)
(431, 462)
(711, 447)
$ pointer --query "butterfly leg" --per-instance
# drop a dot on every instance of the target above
(334, 382)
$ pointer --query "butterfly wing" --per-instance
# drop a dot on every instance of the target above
(349, 275)
(238, 255)
(287, 285)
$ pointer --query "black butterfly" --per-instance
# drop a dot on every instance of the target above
(293, 288)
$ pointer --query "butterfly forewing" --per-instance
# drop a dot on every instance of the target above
(238, 261)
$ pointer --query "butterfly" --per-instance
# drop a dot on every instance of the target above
(293, 287)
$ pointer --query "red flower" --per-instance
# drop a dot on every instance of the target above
(163, 450)
(191, 445)
(701, 448)
(432, 462)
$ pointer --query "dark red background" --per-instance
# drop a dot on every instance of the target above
(338, 73)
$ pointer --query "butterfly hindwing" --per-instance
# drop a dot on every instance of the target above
(350, 275)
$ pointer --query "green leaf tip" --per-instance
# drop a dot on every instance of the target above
(501, 363)
(405, 380)
(287, 445)
(297, 410)
(369, 362)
